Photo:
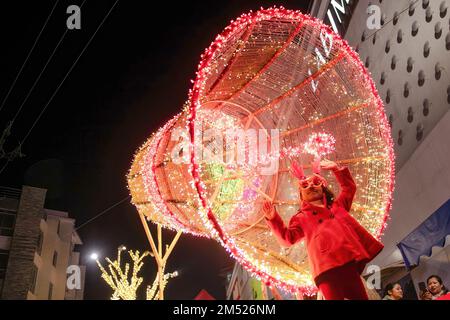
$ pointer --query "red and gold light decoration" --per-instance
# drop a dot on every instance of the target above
(288, 80)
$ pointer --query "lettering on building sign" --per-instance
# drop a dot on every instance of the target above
(320, 59)
(337, 8)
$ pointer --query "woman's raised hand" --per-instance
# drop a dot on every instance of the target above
(269, 210)
(328, 165)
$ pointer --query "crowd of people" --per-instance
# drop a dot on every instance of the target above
(434, 289)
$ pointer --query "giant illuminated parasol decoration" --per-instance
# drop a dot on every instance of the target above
(287, 81)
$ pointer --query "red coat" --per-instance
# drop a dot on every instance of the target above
(333, 237)
(444, 297)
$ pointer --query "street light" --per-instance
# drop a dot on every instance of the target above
(94, 256)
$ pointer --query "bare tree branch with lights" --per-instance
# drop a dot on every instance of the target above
(124, 285)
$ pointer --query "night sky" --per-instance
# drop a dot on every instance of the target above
(132, 78)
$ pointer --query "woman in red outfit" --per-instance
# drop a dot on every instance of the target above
(338, 246)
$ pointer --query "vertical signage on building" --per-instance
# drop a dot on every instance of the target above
(339, 13)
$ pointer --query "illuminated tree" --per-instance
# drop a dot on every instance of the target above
(125, 285)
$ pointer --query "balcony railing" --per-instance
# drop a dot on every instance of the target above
(11, 193)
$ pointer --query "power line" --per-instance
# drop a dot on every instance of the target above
(398, 15)
(18, 148)
(68, 72)
(61, 83)
(102, 213)
(28, 56)
(42, 71)
(5, 165)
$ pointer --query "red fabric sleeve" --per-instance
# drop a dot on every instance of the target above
(348, 188)
(286, 236)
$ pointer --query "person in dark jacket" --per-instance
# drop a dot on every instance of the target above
(393, 291)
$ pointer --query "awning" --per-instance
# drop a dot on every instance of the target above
(430, 233)
(204, 295)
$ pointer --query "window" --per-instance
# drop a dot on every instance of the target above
(426, 49)
(437, 71)
(409, 64)
(428, 15)
(419, 132)
(50, 291)
(394, 62)
(411, 8)
(34, 273)
(410, 117)
(400, 137)
(363, 36)
(426, 107)
(448, 94)
(406, 89)
(438, 30)
(55, 258)
(414, 28)
(58, 229)
(442, 9)
(383, 78)
(399, 36)
(40, 242)
(421, 78)
(7, 221)
(395, 18)
(4, 255)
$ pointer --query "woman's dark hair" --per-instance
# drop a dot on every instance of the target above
(389, 287)
(439, 279)
(329, 195)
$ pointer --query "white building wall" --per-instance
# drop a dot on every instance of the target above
(57, 233)
(426, 104)
(422, 186)
(422, 159)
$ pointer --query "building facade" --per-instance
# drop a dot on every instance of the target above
(242, 286)
(408, 58)
(37, 249)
